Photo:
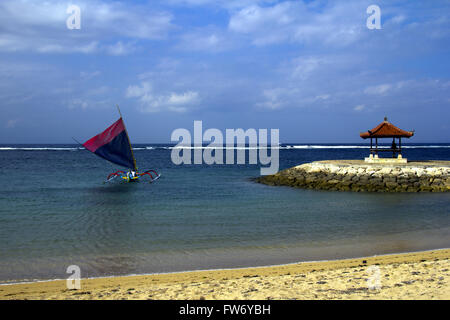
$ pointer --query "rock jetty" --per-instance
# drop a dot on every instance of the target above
(357, 175)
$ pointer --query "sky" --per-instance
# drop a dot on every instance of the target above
(312, 69)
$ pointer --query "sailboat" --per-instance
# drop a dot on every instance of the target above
(114, 145)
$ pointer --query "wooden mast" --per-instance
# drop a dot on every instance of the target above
(129, 142)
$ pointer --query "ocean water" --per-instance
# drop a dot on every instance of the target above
(56, 211)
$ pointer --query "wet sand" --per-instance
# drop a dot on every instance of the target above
(419, 275)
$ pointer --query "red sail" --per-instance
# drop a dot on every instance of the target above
(113, 145)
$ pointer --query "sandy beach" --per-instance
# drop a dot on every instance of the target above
(419, 275)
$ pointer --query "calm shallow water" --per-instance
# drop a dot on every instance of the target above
(55, 211)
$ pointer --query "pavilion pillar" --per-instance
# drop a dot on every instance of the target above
(393, 150)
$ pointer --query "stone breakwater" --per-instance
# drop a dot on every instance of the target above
(357, 175)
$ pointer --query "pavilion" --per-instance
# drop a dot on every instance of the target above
(386, 130)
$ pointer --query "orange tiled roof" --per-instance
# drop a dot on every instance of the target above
(386, 130)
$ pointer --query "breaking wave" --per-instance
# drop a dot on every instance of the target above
(281, 147)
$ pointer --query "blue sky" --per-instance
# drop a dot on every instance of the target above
(311, 69)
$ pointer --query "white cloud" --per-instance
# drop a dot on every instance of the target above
(379, 89)
(267, 25)
(304, 67)
(77, 103)
(359, 107)
(209, 39)
(89, 101)
(199, 41)
(183, 98)
(41, 26)
(227, 4)
(255, 18)
(322, 97)
(276, 98)
(87, 48)
(120, 48)
(296, 21)
(407, 86)
(398, 19)
(143, 90)
(150, 102)
(168, 64)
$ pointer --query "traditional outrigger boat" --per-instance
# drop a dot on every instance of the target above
(114, 145)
